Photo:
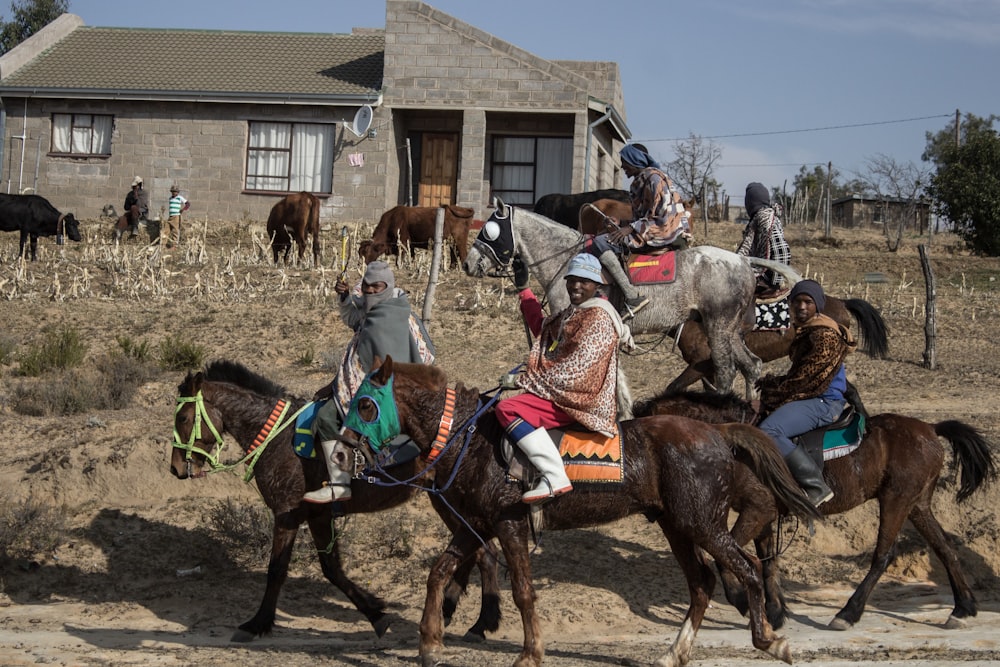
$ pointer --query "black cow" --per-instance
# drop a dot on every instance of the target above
(566, 208)
(34, 216)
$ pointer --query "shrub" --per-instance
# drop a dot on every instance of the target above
(8, 345)
(135, 350)
(64, 349)
(28, 528)
(121, 376)
(180, 355)
(65, 393)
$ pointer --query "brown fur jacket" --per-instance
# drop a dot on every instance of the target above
(818, 349)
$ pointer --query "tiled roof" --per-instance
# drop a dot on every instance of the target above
(182, 62)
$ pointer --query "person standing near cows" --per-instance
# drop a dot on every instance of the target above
(175, 208)
(136, 206)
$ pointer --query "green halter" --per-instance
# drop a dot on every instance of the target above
(378, 431)
(200, 416)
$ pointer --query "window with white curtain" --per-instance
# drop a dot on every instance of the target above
(525, 168)
(81, 133)
(290, 157)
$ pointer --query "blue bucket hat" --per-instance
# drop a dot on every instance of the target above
(586, 266)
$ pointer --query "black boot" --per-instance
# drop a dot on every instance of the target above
(809, 476)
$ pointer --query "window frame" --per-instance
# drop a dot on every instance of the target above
(73, 127)
(288, 154)
(495, 164)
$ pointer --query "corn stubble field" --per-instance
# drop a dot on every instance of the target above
(107, 559)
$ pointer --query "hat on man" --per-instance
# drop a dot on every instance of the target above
(137, 181)
(174, 188)
(811, 288)
(586, 266)
(379, 272)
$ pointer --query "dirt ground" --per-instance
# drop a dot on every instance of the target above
(117, 588)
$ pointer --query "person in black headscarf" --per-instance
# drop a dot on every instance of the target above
(763, 236)
(383, 325)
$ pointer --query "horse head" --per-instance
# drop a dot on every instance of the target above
(194, 419)
(494, 247)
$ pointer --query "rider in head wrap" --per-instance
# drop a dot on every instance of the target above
(659, 221)
(763, 236)
(383, 325)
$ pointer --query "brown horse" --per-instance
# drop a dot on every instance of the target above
(771, 345)
(898, 463)
(678, 474)
(295, 216)
(227, 397)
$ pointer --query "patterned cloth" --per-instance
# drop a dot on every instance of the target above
(657, 209)
(764, 237)
(574, 364)
(817, 354)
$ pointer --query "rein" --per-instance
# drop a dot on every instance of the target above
(275, 423)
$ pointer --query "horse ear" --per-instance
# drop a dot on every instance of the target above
(384, 369)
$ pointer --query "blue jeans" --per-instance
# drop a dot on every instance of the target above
(799, 417)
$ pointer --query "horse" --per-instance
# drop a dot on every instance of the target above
(898, 463)
(678, 472)
(712, 284)
(769, 345)
(228, 397)
(294, 216)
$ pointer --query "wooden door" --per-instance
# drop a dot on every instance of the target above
(438, 169)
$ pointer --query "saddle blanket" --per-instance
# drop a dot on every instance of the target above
(591, 457)
(652, 269)
(772, 316)
(302, 441)
(843, 441)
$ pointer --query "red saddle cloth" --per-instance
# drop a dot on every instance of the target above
(652, 269)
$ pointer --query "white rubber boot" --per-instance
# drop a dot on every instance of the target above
(338, 488)
(634, 302)
(544, 455)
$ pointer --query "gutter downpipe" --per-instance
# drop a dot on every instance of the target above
(590, 141)
(3, 136)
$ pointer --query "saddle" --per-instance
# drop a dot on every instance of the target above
(834, 440)
(588, 456)
(653, 266)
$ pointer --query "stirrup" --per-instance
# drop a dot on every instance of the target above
(529, 497)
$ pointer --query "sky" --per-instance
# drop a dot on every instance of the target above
(775, 84)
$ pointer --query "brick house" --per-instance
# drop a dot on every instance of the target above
(238, 119)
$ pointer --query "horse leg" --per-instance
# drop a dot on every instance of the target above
(694, 348)
(892, 513)
(489, 606)
(282, 542)
(513, 538)
(922, 517)
(371, 606)
(462, 546)
(700, 581)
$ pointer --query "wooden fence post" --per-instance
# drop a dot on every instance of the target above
(432, 281)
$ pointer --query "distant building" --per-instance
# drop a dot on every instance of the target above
(860, 211)
(447, 113)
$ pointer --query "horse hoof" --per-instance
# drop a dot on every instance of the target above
(840, 624)
(242, 636)
(780, 649)
(381, 625)
(955, 623)
(473, 637)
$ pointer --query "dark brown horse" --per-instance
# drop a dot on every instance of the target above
(227, 397)
(898, 463)
(678, 473)
(770, 345)
(295, 216)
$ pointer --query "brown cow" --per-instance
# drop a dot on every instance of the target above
(594, 216)
(413, 226)
(294, 216)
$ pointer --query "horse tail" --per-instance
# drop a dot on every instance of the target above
(871, 328)
(756, 449)
(972, 452)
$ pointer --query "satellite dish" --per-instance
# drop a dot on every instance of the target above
(362, 121)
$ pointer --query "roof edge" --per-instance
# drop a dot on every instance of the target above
(374, 98)
(30, 48)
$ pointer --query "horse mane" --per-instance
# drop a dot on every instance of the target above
(726, 402)
(233, 372)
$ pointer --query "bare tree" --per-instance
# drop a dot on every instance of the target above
(899, 184)
(692, 171)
